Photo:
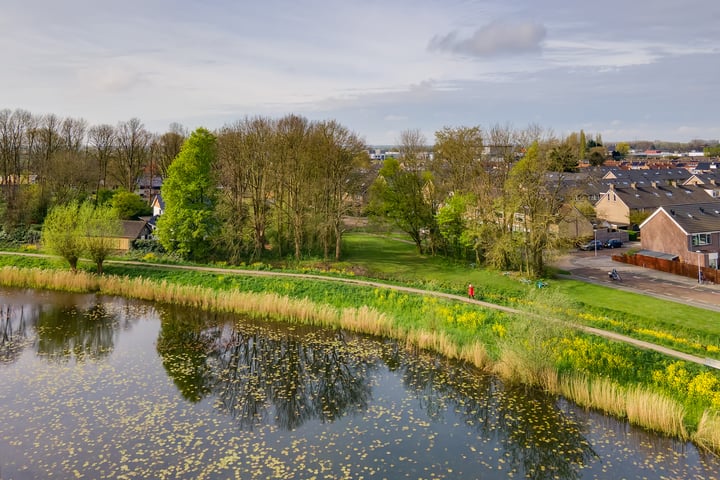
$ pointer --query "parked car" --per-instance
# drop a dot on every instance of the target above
(592, 245)
(613, 243)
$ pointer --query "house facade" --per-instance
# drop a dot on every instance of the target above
(132, 230)
(689, 231)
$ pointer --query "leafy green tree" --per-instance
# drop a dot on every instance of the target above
(582, 144)
(398, 195)
(61, 233)
(403, 191)
(622, 148)
(596, 156)
(563, 158)
(638, 217)
(190, 193)
(100, 228)
(452, 220)
(712, 151)
(129, 205)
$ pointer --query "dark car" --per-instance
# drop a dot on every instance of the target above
(592, 245)
(613, 243)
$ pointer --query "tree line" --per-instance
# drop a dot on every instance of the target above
(281, 187)
(47, 160)
(263, 186)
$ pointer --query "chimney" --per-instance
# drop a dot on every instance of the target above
(654, 184)
(612, 187)
(633, 185)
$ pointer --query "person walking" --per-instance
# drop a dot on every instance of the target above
(471, 291)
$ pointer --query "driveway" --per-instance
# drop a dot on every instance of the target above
(592, 268)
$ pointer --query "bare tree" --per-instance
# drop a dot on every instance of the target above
(132, 143)
(457, 162)
(292, 148)
(47, 143)
(102, 142)
(341, 154)
(71, 170)
(15, 128)
(170, 144)
(72, 132)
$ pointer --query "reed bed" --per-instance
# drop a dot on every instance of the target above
(435, 341)
(707, 434)
(655, 412)
(476, 354)
(598, 393)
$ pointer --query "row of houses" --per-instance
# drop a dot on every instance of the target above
(677, 210)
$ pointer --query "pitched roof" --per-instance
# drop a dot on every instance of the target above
(132, 228)
(653, 197)
(158, 199)
(695, 218)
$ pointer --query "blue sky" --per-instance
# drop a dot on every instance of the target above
(628, 70)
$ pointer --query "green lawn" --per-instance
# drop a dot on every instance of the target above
(392, 259)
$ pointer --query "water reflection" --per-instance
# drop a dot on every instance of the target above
(79, 333)
(185, 342)
(258, 373)
(538, 438)
(264, 374)
(13, 332)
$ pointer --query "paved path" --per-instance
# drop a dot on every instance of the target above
(588, 267)
(578, 272)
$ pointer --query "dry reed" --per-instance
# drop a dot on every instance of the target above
(598, 393)
(476, 354)
(707, 434)
(655, 412)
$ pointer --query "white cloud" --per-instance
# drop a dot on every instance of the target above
(496, 38)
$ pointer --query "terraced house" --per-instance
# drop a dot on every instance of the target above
(617, 205)
(689, 233)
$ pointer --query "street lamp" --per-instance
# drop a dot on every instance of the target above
(699, 270)
(595, 236)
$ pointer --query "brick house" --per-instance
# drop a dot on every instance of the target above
(689, 231)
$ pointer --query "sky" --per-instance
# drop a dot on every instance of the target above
(627, 70)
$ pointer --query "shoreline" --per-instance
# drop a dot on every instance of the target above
(581, 389)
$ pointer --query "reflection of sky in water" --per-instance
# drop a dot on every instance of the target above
(121, 415)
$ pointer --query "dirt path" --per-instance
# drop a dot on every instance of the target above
(595, 331)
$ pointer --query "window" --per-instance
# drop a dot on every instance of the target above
(701, 239)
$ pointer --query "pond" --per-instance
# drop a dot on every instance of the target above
(96, 387)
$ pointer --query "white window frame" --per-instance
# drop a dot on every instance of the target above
(700, 239)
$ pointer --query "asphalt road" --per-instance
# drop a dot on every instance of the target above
(592, 268)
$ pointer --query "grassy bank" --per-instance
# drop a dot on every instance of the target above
(650, 390)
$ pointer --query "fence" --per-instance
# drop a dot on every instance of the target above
(710, 275)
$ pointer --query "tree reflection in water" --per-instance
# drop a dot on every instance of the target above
(186, 339)
(13, 332)
(539, 439)
(75, 333)
(267, 373)
(262, 372)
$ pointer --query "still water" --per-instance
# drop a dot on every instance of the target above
(96, 387)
